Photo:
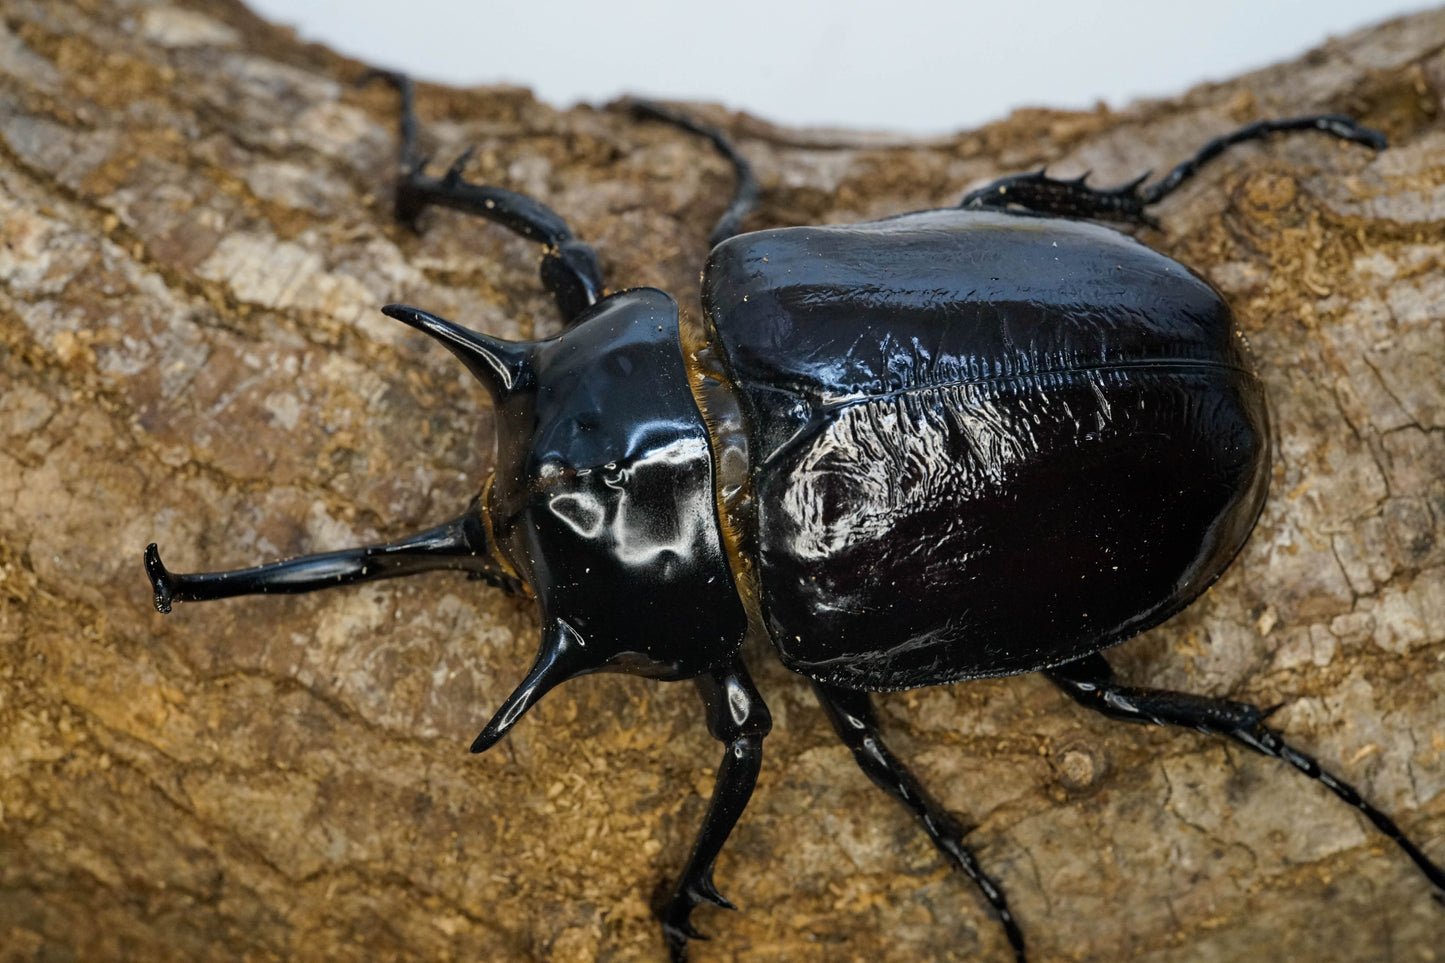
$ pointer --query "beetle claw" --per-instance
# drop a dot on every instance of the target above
(678, 933)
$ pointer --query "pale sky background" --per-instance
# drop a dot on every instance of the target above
(905, 65)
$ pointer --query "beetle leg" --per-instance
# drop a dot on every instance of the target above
(570, 269)
(851, 713)
(736, 716)
(1090, 682)
(745, 191)
(1336, 125)
(1038, 193)
(459, 545)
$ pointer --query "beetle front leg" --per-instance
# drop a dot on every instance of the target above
(1090, 682)
(737, 716)
(570, 268)
(851, 713)
(458, 545)
(1037, 193)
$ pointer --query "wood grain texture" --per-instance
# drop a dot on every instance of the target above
(194, 238)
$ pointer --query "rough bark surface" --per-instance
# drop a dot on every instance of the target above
(196, 236)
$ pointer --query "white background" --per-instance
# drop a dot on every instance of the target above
(906, 65)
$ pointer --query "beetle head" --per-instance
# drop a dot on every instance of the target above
(602, 498)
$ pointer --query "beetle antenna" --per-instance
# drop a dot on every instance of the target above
(557, 661)
(745, 193)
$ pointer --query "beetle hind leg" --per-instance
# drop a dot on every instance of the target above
(1037, 193)
(570, 269)
(1091, 683)
(851, 713)
(458, 545)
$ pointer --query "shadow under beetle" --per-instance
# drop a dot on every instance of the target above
(948, 445)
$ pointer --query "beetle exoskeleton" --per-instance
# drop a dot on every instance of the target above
(960, 443)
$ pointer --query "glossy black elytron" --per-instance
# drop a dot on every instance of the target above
(959, 443)
(919, 389)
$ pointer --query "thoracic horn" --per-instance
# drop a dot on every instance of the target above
(500, 365)
(559, 659)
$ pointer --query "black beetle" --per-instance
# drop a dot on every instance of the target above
(948, 445)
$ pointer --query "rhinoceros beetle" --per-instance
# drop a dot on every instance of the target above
(947, 445)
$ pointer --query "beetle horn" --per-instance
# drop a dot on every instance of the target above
(559, 660)
(500, 365)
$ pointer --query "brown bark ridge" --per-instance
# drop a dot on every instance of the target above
(196, 236)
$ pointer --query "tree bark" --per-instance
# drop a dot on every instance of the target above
(197, 234)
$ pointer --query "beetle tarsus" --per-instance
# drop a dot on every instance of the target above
(1090, 682)
(407, 156)
(745, 190)
(1336, 125)
(676, 914)
(852, 715)
(677, 928)
(677, 937)
(1037, 193)
(1269, 743)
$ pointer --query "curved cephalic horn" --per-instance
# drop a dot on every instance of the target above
(500, 365)
(559, 659)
